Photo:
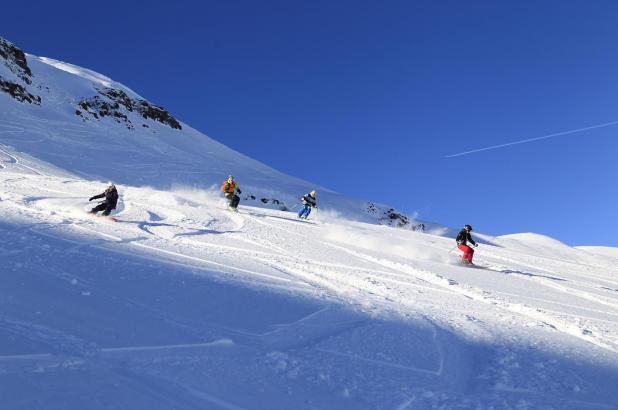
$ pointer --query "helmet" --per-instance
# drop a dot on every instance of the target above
(313, 193)
(467, 227)
(110, 184)
(231, 177)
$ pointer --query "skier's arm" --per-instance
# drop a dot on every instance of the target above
(471, 240)
(97, 196)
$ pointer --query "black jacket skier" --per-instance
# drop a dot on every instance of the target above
(110, 202)
(464, 237)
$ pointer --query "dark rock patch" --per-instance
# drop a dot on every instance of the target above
(18, 92)
(116, 103)
(15, 60)
(395, 218)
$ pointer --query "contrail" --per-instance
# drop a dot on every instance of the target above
(607, 124)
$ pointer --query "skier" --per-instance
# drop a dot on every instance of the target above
(309, 202)
(463, 238)
(111, 199)
(229, 189)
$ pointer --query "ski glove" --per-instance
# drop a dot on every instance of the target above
(91, 198)
(476, 245)
(239, 191)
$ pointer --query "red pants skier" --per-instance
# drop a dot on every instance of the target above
(463, 239)
(468, 252)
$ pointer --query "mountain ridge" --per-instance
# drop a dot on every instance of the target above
(79, 104)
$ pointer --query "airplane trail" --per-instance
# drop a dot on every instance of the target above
(508, 144)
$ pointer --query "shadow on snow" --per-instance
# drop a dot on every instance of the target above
(83, 325)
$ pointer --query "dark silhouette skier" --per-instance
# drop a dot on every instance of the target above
(109, 203)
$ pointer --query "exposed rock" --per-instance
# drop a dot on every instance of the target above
(116, 104)
(18, 92)
(371, 208)
(281, 206)
(392, 217)
(15, 60)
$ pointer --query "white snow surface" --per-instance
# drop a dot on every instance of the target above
(182, 304)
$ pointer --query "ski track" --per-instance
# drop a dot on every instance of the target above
(202, 238)
(282, 252)
(534, 313)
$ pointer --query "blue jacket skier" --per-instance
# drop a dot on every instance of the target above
(309, 202)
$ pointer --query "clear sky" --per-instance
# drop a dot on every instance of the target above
(369, 97)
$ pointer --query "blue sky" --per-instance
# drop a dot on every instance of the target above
(368, 98)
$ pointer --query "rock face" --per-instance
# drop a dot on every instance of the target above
(275, 203)
(392, 217)
(15, 60)
(18, 92)
(117, 104)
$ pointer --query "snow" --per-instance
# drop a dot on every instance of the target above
(182, 304)
(85, 73)
(601, 250)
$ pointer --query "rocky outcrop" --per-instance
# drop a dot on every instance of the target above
(392, 217)
(117, 104)
(277, 204)
(18, 92)
(15, 60)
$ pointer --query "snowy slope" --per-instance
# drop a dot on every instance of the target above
(184, 305)
(87, 124)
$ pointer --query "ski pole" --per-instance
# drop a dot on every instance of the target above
(452, 249)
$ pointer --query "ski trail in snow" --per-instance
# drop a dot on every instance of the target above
(15, 162)
(525, 141)
(535, 313)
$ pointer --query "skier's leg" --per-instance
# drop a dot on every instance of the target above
(304, 212)
(98, 208)
(466, 252)
(235, 201)
(108, 210)
(470, 254)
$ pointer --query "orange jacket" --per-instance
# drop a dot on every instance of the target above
(229, 188)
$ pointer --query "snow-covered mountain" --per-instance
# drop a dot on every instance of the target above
(182, 304)
(96, 128)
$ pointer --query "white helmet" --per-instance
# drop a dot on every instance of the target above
(313, 193)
